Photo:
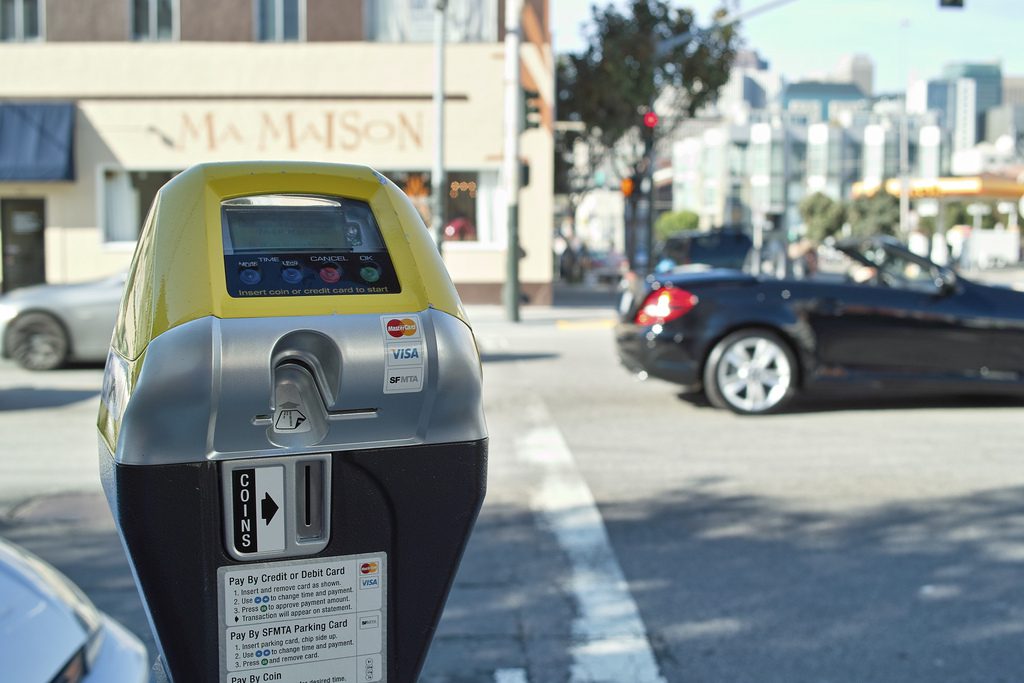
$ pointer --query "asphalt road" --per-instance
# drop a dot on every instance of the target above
(631, 534)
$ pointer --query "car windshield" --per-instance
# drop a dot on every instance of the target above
(869, 263)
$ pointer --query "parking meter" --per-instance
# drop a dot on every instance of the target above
(292, 440)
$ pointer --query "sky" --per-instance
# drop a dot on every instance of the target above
(907, 39)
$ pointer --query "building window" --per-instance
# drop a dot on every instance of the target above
(471, 203)
(21, 20)
(280, 20)
(127, 196)
(154, 19)
(412, 21)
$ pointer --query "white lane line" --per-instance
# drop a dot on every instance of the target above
(510, 676)
(609, 639)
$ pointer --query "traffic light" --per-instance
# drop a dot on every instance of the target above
(531, 109)
(627, 186)
(951, 3)
(650, 123)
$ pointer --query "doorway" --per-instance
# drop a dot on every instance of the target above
(22, 242)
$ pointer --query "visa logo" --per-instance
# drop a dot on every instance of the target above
(372, 582)
(405, 354)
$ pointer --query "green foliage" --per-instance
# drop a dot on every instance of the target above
(613, 81)
(822, 215)
(671, 222)
(876, 215)
(955, 213)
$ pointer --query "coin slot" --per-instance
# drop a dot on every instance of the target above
(307, 477)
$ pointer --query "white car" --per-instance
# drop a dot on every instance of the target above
(51, 633)
(45, 326)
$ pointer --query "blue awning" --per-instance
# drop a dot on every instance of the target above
(37, 141)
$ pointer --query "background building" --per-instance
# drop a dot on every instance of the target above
(154, 86)
(859, 70)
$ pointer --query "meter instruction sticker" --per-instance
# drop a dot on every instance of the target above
(304, 621)
(257, 495)
(405, 355)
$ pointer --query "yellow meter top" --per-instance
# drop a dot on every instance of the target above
(178, 272)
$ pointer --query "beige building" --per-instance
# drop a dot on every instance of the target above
(158, 85)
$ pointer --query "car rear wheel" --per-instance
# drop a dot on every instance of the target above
(37, 341)
(751, 372)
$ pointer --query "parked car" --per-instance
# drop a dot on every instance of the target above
(607, 267)
(45, 326)
(875, 317)
(51, 633)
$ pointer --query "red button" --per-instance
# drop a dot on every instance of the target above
(330, 274)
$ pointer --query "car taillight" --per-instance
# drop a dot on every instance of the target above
(665, 304)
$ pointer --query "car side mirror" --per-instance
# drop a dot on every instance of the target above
(945, 280)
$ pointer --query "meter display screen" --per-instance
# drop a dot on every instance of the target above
(292, 245)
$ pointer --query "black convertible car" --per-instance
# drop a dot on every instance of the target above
(871, 316)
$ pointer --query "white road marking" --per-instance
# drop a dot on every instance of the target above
(609, 639)
(510, 676)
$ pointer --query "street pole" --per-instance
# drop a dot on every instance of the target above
(513, 110)
(437, 179)
(904, 143)
(646, 246)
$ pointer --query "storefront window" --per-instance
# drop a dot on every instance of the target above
(127, 196)
(280, 20)
(470, 204)
(412, 21)
(20, 20)
(154, 19)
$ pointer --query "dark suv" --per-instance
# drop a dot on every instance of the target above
(719, 248)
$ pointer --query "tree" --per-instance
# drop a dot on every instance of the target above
(610, 85)
(955, 213)
(875, 215)
(671, 222)
(822, 215)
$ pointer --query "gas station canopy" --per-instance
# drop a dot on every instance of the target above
(990, 187)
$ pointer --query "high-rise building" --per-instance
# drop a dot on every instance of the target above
(1013, 89)
(859, 70)
(988, 77)
(763, 169)
(987, 93)
(834, 157)
(814, 98)
(1005, 122)
(965, 113)
(751, 86)
(940, 99)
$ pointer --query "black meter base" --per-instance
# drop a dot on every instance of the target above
(413, 505)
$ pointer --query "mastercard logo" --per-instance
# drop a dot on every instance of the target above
(406, 327)
(368, 568)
